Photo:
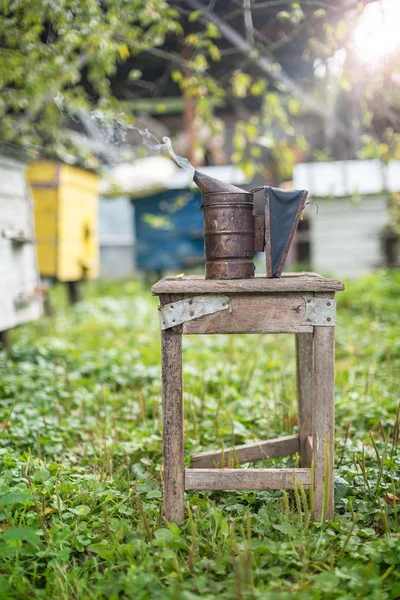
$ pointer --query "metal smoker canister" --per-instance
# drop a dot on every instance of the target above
(228, 235)
(232, 234)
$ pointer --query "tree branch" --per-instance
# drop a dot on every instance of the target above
(317, 3)
(248, 22)
(352, 4)
(281, 79)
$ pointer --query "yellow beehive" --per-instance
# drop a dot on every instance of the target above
(66, 205)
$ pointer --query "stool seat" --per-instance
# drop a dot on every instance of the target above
(288, 282)
(299, 303)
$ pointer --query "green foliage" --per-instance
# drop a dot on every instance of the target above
(59, 58)
(46, 47)
(80, 453)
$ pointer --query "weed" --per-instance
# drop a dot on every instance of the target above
(80, 457)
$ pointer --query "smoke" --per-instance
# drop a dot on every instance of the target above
(112, 131)
(165, 147)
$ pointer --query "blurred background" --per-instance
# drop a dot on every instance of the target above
(96, 96)
(290, 94)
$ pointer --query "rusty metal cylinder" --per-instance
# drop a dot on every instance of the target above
(228, 234)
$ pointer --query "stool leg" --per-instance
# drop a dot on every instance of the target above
(304, 368)
(172, 403)
(323, 420)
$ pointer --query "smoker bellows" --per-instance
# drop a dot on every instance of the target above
(232, 233)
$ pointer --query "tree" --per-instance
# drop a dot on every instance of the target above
(62, 58)
(69, 50)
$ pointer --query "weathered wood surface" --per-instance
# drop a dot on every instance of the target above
(245, 479)
(255, 313)
(172, 405)
(323, 419)
(304, 370)
(289, 282)
(247, 453)
(263, 311)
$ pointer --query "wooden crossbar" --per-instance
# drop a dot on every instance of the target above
(247, 453)
(246, 479)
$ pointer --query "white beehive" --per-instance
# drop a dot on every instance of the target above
(20, 299)
(352, 199)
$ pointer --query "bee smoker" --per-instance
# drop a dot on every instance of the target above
(233, 233)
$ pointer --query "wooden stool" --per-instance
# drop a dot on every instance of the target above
(300, 303)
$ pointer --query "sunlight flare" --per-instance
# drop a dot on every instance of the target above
(376, 36)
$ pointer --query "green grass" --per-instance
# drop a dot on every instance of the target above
(80, 455)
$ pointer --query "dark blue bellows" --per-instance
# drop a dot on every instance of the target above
(282, 213)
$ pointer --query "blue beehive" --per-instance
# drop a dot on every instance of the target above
(169, 231)
(167, 223)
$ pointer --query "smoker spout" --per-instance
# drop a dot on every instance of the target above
(209, 185)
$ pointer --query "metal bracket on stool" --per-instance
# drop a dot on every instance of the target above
(319, 311)
(189, 309)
